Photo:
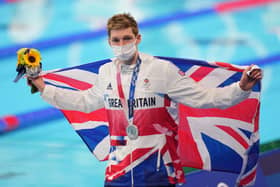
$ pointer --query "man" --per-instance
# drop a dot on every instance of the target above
(139, 92)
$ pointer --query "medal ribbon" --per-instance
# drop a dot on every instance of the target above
(129, 105)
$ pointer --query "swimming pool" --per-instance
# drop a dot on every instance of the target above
(52, 154)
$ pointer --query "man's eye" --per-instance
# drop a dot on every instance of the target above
(115, 40)
(127, 38)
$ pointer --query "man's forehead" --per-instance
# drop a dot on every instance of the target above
(121, 32)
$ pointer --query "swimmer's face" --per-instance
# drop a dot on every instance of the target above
(122, 37)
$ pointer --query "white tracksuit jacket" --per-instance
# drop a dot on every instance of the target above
(152, 157)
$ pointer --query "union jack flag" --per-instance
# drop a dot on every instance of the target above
(209, 139)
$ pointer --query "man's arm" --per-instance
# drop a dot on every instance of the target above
(184, 90)
(84, 101)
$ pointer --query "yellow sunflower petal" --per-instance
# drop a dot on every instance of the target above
(20, 56)
(32, 58)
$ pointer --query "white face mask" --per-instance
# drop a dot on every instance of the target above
(125, 52)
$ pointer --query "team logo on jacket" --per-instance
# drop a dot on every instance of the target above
(147, 83)
(109, 87)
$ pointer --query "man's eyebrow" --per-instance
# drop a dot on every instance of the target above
(127, 36)
(123, 36)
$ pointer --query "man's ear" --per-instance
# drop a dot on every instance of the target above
(138, 39)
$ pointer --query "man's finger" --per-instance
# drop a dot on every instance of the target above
(252, 70)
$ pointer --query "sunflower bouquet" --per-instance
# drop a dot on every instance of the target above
(29, 63)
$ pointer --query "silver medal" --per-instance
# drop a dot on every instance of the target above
(132, 132)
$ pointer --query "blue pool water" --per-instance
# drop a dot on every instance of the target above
(52, 154)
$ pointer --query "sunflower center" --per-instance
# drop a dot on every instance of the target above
(31, 59)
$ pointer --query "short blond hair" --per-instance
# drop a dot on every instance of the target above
(122, 21)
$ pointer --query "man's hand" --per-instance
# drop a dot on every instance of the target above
(38, 82)
(250, 77)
